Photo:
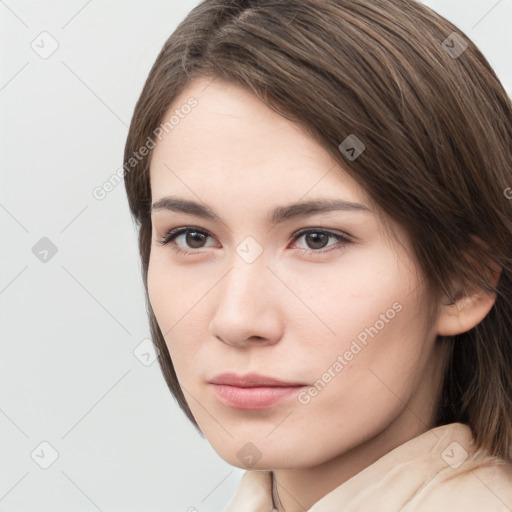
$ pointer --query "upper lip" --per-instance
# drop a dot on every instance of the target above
(251, 380)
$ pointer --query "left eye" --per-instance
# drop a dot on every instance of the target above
(316, 238)
(319, 237)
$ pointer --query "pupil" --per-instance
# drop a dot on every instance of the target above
(195, 236)
(316, 237)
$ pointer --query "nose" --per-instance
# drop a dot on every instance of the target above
(249, 304)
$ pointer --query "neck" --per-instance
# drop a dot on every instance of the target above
(298, 489)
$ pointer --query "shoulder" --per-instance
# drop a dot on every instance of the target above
(443, 470)
(482, 483)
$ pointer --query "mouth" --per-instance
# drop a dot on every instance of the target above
(252, 391)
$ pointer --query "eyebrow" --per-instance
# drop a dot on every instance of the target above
(277, 216)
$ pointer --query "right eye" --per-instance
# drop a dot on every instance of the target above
(192, 235)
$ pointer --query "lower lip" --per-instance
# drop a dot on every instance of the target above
(252, 398)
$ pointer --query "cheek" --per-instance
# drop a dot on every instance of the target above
(160, 294)
(363, 297)
(374, 365)
(375, 322)
(169, 293)
(164, 298)
(172, 301)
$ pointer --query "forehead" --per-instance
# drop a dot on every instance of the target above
(231, 138)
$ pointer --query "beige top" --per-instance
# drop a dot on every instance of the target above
(438, 471)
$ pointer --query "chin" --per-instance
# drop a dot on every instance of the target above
(248, 456)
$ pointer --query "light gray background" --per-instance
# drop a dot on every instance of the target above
(69, 326)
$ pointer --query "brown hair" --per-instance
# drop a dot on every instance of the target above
(437, 129)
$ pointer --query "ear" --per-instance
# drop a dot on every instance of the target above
(472, 304)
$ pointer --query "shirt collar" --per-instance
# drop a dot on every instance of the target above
(396, 477)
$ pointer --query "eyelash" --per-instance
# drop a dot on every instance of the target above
(173, 233)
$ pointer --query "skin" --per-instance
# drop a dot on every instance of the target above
(290, 314)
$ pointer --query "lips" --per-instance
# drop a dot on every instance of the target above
(251, 380)
(251, 391)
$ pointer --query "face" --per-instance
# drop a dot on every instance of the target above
(322, 301)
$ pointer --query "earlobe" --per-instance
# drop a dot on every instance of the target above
(467, 312)
(471, 306)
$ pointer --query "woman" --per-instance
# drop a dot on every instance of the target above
(326, 244)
